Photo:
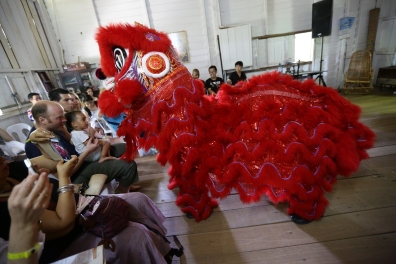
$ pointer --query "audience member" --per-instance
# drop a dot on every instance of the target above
(49, 117)
(91, 109)
(33, 98)
(195, 76)
(64, 236)
(26, 204)
(77, 105)
(238, 75)
(214, 82)
(89, 91)
(80, 135)
(64, 98)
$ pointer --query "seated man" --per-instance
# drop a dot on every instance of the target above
(33, 98)
(213, 83)
(64, 98)
(238, 75)
(49, 119)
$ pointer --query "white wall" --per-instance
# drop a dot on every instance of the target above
(335, 62)
(288, 15)
(121, 12)
(75, 22)
(236, 12)
(380, 59)
(180, 15)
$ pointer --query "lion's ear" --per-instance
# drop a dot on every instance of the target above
(128, 91)
(109, 105)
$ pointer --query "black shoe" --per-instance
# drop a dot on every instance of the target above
(299, 220)
(189, 215)
(178, 252)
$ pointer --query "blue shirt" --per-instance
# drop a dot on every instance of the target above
(114, 122)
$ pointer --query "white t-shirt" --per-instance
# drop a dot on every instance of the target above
(78, 138)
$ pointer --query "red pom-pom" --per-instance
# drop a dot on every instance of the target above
(128, 91)
(109, 105)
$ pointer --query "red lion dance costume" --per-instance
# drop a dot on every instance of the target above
(272, 135)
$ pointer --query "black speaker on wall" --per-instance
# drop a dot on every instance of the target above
(322, 13)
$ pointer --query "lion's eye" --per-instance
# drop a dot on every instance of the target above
(120, 56)
(155, 64)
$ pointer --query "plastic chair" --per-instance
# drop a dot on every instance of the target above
(13, 148)
(19, 131)
(358, 78)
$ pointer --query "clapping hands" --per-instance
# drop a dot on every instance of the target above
(28, 200)
(66, 169)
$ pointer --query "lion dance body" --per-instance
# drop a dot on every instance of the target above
(271, 135)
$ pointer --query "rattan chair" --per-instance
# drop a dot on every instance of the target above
(359, 77)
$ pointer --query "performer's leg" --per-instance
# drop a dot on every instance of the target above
(307, 203)
(192, 198)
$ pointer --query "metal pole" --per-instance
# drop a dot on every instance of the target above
(221, 60)
(320, 76)
(321, 56)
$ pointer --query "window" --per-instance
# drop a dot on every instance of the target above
(303, 47)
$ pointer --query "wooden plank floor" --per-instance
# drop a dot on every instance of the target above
(359, 225)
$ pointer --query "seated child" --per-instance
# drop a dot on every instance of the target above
(80, 135)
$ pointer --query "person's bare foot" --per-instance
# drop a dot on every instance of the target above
(134, 188)
(106, 158)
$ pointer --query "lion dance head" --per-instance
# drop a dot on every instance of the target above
(137, 59)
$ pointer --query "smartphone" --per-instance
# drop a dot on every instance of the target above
(31, 168)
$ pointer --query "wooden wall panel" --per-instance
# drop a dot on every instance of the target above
(27, 36)
(4, 61)
(236, 45)
(43, 36)
(14, 36)
(7, 57)
(23, 51)
(20, 86)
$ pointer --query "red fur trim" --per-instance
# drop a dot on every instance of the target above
(126, 129)
(109, 105)
(128, 91)
(129, 37)
(272, 135)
